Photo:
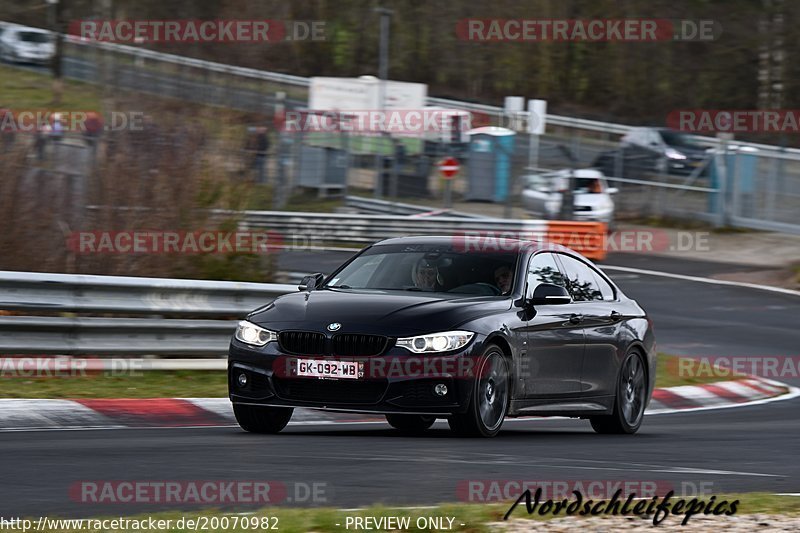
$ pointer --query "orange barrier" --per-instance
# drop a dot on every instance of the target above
(587, 238)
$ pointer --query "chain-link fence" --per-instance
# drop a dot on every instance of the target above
(755, 189)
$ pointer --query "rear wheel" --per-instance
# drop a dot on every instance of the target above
(628, 410)
(410, 423)
(489, 403)
(258, 419)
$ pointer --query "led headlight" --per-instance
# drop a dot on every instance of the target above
(249, 333)
(672, 153)
(436, 342)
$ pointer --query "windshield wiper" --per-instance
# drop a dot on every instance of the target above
(338, 287)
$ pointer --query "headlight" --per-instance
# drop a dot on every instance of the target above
(436, 342)
(249, 333)
(672, 153)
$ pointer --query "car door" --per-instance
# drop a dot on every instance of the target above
(555, 341)
(641, 152)
(600, 320)
(536, 194)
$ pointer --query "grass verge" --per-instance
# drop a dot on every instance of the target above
(466, 517)
(212, 383)
(25, 89)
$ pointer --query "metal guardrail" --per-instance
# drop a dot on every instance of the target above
(374, 206)
(118, 336)
(364, 229)
(108, 337)
(33, 291)
(321, 228)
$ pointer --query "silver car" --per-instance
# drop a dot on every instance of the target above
(21, 44)
(593, 201)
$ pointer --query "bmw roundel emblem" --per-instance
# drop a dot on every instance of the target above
(334, 326)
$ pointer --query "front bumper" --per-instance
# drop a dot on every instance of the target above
(395, 382)
(606, 216)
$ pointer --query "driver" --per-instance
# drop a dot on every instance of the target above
(426, 275)
(503, 278)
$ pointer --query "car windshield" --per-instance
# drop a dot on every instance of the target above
(33, 37)
(588, 185)
(676, 138)
(457, 269)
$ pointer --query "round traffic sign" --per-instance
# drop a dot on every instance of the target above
(449, 167)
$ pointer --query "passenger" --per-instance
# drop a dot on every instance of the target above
(504, 278)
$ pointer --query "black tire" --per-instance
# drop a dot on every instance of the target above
(410, 423)
(257, 419)
(490, 397)
(628, 412)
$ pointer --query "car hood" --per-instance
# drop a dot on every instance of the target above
(698, 152)
(593, 200)
(390, 313)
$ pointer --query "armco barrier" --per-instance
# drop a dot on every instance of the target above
(145, 302)
(40, 292)
(298, 229)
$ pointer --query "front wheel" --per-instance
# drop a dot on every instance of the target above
(489, 403)
(258, 419)
(410, 423)
(628, 413)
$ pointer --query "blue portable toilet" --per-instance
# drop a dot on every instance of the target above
(742, 168)
(489, 167)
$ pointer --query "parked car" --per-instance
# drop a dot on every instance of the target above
(592, 197)
(653, 150)
(22, 44)
(420, 328)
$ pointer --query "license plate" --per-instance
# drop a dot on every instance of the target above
(313, 368)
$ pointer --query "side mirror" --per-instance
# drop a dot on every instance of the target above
(612, 190)
(311, 282)
(550, 294)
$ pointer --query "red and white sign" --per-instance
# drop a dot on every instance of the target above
(449, 167)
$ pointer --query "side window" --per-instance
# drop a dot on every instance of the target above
(542, 269)
(581, 282)
(605, 288)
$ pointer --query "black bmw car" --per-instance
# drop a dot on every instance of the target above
(471, 330)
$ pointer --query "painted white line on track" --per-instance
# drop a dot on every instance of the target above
(698, 279)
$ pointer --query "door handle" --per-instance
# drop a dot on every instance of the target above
(575, 318)
(615, 315)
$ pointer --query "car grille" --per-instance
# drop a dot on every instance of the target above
(583, 208)
(355, 344)
(302, 342)
(343, 391)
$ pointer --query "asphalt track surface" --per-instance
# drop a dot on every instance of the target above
(742, 449)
